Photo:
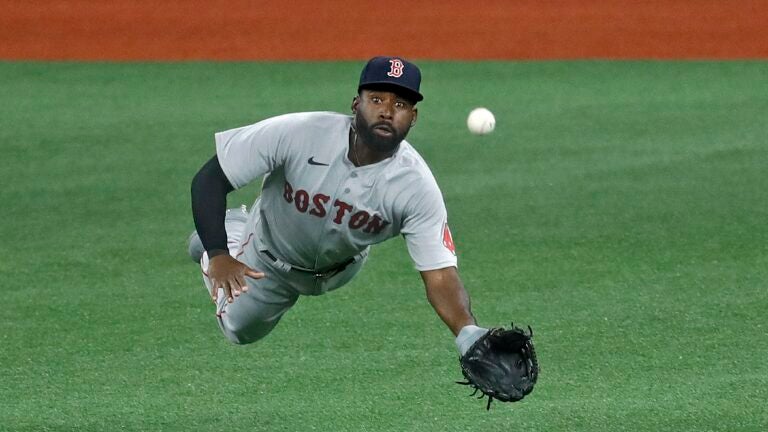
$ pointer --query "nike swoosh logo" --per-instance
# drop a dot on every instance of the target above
(312, 161)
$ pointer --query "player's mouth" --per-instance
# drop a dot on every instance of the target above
(384, 130)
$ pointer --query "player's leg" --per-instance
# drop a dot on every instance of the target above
(254, 313)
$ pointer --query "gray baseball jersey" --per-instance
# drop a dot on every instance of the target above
(318, 209)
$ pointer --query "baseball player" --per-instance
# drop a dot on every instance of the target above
(333, 186)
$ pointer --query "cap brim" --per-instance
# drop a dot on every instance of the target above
(394, 88)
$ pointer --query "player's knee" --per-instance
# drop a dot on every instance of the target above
(246, 334)
(244, 337)
(240, 339)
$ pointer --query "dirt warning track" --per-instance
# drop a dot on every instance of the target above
(335, 29)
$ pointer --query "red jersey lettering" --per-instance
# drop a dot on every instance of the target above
(343, 209)
(358, 219)
(288, 192)
(375, 225)
(319, 200)
(301, 200)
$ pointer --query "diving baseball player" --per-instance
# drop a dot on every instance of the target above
(333, 186)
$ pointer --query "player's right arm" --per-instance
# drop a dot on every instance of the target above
(210, 187)
(242, 155)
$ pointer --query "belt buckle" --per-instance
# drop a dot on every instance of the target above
(324, 275)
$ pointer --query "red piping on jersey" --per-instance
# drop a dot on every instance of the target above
(242, 246)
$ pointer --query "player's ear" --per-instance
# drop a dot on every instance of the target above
(415, 116)
(355, 103)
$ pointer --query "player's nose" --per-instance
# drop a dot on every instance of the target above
(387, 110)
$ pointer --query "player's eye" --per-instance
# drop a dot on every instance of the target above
(376, 99)
(400, 104)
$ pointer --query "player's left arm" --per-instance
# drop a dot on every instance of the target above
(431, 247)
(447, 295)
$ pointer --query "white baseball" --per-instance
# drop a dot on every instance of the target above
(481, 121)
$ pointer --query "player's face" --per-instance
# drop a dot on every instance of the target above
(383, 118)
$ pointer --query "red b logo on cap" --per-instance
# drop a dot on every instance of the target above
(395, 68)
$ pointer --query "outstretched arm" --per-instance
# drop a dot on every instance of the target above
(448, 297)
(450, 300)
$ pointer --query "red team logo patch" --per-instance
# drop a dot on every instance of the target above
(447, 239)
(395, 68)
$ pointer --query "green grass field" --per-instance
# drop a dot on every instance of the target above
(620, 209)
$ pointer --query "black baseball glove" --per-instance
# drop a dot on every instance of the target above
(501, 364)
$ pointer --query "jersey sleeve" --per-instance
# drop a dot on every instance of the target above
(249, 152)
(426, 232)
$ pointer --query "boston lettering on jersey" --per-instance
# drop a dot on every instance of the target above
(317, 205)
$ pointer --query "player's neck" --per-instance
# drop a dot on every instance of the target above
(361, 154)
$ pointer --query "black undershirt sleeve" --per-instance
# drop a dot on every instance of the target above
(209, 206)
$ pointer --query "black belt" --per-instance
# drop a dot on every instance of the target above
(331, 271)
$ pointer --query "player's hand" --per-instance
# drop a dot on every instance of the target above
(229, 274)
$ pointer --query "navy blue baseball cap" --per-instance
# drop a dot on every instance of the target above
(394, 74)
